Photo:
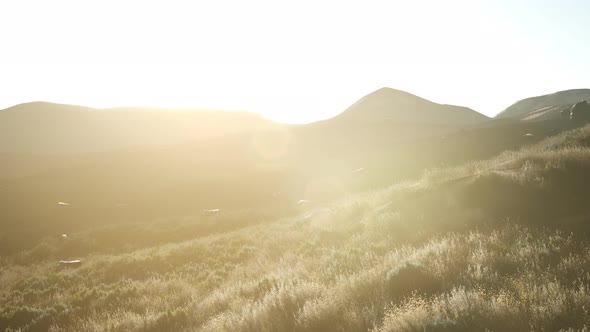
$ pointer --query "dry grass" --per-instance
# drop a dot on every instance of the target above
(465, 249)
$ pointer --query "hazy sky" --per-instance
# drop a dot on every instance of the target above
(290, 60)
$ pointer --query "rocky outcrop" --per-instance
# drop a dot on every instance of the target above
(580, 112)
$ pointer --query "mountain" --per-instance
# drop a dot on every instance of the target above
(47, 128)
(392, 132)
(236, 166)
(141, 164)
(544, 107)
(403, 107)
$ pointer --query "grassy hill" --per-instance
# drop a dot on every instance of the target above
(403, 107)
(137, 164)
(49, 129)
(499, 245)
(251, 171)
(544, 107)
(133, 163)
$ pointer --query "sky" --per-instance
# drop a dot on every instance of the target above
(292, 61)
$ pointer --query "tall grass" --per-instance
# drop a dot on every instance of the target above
(474, 248)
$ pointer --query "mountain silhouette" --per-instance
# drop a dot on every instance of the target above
(47, 128)
(545, 107)
(403, 107)
(141, 163)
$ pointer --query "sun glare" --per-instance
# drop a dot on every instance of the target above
(293, 62)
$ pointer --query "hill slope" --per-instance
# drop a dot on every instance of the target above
(544, 107)
(276, 167)
(49, 128)
(499, 245)
(251, 166)
(54, 128)
(403, 107)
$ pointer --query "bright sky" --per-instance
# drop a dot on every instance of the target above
(294, 61)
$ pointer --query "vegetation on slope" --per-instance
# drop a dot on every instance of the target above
(497, 245)
(276, 170)
(561, 98)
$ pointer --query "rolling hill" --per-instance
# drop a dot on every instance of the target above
(546, 107)
(387, 217)
(237, 165)
(388, 104)
(47, 128)
(500, 244)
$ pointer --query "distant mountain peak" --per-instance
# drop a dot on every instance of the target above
(393, 93)
(397, 105)
(549, 105)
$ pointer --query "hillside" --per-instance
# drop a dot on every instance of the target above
(276, 167)
(402, 107)
(126, 164)
(500, 244)
(544, 107)
(329, 226)
(47, 128)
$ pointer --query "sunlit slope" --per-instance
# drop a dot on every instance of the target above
(499, 244)
(136, 184)
(49, 128)
(275, 168)
(544, 107)
(255, 168)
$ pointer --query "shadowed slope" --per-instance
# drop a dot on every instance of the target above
(48, 128)
(241, 170)
(544, 107)
(403, 107)
(235, 166)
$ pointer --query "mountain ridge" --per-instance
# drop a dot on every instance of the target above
(524, 108)
(43, 127)
(401, 106)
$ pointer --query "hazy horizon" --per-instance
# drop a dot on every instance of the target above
(296, 62)
(267, 116)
